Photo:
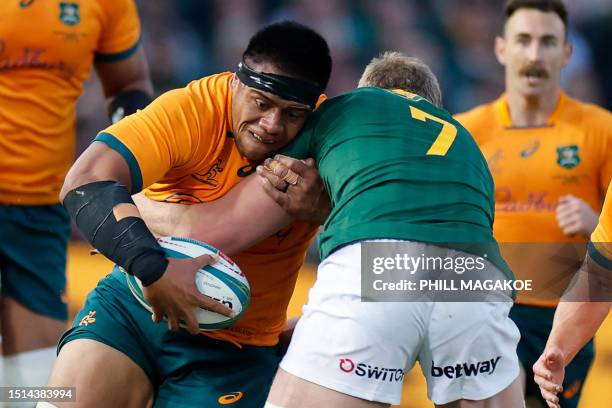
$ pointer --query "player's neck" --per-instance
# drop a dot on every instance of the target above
(531, 111)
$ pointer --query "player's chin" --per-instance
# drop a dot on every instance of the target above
(534, 88)
(256, 151)
(529, 91)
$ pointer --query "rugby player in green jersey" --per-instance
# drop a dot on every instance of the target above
(398, 168)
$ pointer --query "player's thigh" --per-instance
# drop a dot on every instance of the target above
(361, 349)
(111, 336)
(289, 391)
(101, 376)
(511, 397)
(197, 371)
(470, 351)
(24, 330)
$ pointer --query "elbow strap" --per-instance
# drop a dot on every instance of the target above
(107, 216)
(126, 103)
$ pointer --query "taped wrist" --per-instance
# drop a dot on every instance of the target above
(126, 103)
(107, 216)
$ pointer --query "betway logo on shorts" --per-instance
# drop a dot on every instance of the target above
(465, 369)
(365, 370)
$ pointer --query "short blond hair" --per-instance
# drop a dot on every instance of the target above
(394, 70)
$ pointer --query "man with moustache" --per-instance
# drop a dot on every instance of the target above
(550, 158)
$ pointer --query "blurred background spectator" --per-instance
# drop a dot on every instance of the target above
(188, 39)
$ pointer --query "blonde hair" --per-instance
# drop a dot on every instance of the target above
(394, 70)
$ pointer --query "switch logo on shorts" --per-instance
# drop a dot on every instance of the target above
(348, 366)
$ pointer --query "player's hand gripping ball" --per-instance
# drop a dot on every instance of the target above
(222, 281)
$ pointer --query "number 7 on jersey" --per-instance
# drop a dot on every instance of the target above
(445, 138)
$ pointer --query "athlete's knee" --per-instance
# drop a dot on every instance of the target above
(25, 330)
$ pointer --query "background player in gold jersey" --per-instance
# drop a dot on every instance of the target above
(550, 157)
(190, 145)
(47, 49)
(582, 310)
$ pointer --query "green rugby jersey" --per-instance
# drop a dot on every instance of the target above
(396, 166)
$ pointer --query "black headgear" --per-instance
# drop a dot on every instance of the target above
(287, 88)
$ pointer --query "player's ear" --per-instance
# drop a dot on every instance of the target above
(499, 48)
(568, 49)
(234, 82)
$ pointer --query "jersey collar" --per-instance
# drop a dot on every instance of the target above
(503, 112)
(230, 123)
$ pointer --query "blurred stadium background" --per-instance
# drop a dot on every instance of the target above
(188, 39)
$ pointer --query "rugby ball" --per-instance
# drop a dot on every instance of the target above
(222, 281)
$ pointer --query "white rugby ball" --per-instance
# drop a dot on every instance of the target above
(222, 281)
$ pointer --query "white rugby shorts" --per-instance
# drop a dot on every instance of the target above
(467, 350)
